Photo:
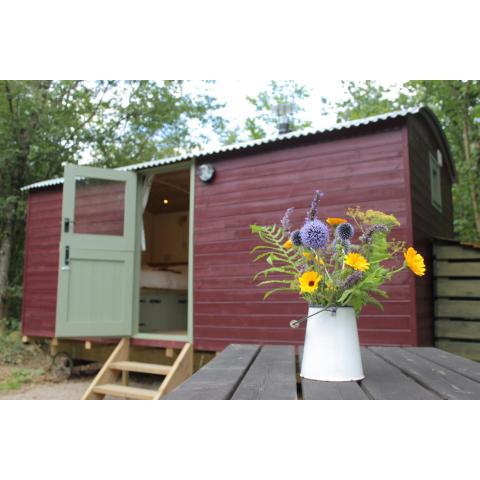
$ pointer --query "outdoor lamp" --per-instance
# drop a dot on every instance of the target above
(206, 172)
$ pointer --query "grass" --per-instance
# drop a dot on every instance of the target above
(14, 352)
(19, 363)
(20, 377)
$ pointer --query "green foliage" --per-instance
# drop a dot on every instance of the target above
(378, 250)
(361, 294)
(20, 377)
(373, 217)
(141, 120)
(368, 98)
(14, 352)
(457, 105)
(279, 259)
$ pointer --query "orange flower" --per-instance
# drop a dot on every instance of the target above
(335, 221)
(288, 244)
(357, 262)
(414, 262)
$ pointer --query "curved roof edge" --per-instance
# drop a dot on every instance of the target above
(433, 123)
(308, 132)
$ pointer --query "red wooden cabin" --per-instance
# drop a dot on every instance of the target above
(399, 163)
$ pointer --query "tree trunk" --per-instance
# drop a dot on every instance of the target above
(5, 255)
(472, 182)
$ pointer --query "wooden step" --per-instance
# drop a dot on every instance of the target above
(141, 367)
(125, 392)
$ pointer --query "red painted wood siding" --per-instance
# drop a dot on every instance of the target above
(427, 221)
(366, 170)
(99, 207)
(44, 213)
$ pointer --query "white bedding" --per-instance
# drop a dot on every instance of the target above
(173, 278)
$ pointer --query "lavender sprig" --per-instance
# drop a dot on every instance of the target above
(367, 236)
(352, 280)
(312, 212)
(286, 221)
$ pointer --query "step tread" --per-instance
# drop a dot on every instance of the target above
(141, 367)
(123, 391)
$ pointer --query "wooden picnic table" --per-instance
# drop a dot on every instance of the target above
(254, 372)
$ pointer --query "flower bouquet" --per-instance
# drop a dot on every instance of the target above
(338, 266)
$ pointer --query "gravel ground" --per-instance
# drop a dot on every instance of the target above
(70, 390)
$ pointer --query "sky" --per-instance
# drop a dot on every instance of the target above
(233, 92)
(237, 109)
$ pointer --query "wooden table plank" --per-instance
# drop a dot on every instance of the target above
(315, 390)
(272, 376)
(464, 366)
(383, 381)
(219, 378)
(444, 382)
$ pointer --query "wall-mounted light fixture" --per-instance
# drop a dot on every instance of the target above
(206, 172)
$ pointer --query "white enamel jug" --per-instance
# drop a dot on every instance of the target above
(332, 349)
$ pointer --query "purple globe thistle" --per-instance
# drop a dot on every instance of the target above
(345, 231)
(314, 234)
(296, 238)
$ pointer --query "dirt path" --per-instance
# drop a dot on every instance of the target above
(70, 390)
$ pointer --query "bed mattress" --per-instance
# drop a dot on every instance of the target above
(173, 278)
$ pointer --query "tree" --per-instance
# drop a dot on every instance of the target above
(145, 119)
(278, 93)
(44, 124)
(457, 105)
(368, 98)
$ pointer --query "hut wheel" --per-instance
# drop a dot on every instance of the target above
(62, 366)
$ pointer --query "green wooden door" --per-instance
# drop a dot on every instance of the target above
(97, 250)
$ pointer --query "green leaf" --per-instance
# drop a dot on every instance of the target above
(266, 282)
(276, 290)
(262, 255)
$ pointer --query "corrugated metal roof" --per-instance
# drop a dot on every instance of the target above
(250, 144)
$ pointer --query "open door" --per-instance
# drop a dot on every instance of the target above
(97, 250)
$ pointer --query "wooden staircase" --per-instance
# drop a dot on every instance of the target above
(118, 366)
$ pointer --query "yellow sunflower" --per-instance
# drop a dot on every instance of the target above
(335, 221)
(309, 282)
(288, 244)
(357, 262)
(414, 262)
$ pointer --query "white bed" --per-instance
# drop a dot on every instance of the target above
(174, 277)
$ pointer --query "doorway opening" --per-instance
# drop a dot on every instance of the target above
(165, 256)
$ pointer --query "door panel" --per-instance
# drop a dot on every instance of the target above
(95, 291)
(99, 206)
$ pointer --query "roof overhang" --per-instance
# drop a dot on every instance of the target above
(311, 133)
